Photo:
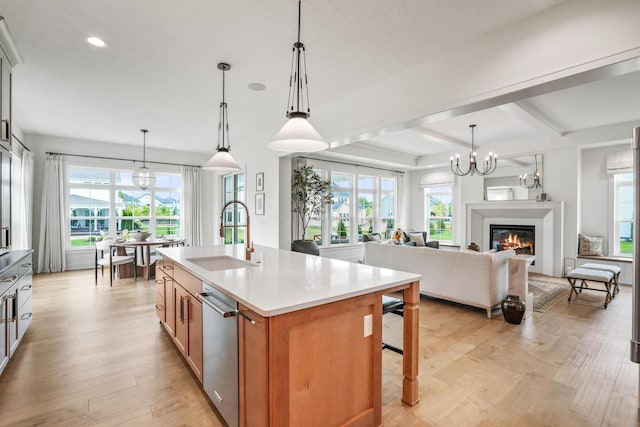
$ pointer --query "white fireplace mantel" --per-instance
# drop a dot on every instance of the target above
(547, 217)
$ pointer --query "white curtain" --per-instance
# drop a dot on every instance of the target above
(22, 184)
(191, 206)
(51, 248)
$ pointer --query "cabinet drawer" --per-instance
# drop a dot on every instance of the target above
(166, 267)
(190, 283)
(24, 289)
(25, 314)
(25, 265)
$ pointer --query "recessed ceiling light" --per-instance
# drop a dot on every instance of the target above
(96, 41)
(257, 86)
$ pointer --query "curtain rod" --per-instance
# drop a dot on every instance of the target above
(124, 160)
(17, 139)
(350, 164)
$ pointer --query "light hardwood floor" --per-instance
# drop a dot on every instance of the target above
(98, 356)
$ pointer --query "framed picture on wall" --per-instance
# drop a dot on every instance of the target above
(260, 181)
(259, 203)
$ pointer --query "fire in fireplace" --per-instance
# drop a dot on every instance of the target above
(520, 238)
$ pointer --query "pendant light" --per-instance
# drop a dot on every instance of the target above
(222, 160)
(143, 177)
(490, 162)
(297, 135)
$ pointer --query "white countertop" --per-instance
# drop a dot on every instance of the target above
(286, 281)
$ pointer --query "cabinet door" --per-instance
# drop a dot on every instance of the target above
(169, 308)
(6, 102)
(253, 352)
(160, 300)
(194, 322)
(4, 350)
(181, 300)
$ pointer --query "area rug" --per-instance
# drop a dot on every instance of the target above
(547, 294)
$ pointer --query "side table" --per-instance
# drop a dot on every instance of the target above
(519, 280)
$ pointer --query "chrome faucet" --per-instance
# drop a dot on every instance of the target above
(248, 249)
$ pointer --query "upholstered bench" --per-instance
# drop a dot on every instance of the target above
(591, 275)
(606, 267)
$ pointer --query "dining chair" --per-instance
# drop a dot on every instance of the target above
(106, 257)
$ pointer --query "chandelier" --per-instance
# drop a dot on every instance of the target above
(297, 135)
(222, 160)
(536, 181)
(490, 162)
(143, 177)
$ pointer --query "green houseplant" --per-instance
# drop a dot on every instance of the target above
(309, 195)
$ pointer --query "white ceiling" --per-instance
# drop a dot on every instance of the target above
(159, 72)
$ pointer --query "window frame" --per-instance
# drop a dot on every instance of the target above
(113, 187)
(427, 209)
(623, 179)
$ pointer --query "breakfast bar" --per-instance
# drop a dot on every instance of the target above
(309, 332)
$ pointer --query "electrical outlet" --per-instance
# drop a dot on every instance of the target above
(368, 325)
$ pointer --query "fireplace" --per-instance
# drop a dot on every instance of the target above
(520, 238)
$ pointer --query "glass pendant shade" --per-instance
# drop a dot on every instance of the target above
(144, 178)
(223, 162)
(297, 136)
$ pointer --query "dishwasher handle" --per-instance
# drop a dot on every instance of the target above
(224, 312)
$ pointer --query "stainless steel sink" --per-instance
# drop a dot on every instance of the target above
(223, 262)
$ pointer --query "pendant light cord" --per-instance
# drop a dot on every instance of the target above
(144, 147)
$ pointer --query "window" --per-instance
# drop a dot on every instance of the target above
(623, 206)
(362, 204)
(235, 217)
(438, 199)
(105, 201)
(341, 207)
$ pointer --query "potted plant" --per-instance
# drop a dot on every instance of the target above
(309, 195)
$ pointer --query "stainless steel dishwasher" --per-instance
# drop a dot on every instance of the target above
(220, 352)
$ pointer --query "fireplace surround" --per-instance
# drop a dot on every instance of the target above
(547, 218)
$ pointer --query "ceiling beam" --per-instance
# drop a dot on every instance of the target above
(357, 151)
(532, 117)
(439, 138)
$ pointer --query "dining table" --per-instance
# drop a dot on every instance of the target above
(142, 254)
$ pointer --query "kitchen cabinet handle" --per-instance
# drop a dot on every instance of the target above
(159, 307)
(167, 267)
(26, 265)
(25, 288)
(8, 279)
(159, 282)
(26, 316)
(14, 308)
(246, 316)
(5, 130)
(182, 309)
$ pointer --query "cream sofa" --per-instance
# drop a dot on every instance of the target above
(471, 278)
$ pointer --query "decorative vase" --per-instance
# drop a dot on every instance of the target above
(305, 246)
(513, 309)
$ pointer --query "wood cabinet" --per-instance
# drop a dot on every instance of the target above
(290, 363)
(15, 301)
(180, 311)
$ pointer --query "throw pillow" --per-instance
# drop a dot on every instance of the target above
(417, 237)
(433, 244)
(375, 237)
(588, 245)
(410, 244)
(405, 237)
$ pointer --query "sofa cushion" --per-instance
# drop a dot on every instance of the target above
(416, 236)
(588, 245)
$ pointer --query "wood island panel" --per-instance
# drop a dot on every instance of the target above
(320, 366)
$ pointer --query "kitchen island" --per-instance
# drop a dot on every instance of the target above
(309, 331)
